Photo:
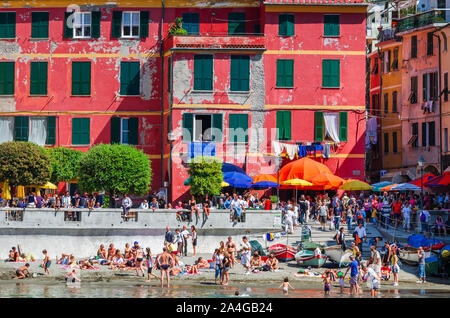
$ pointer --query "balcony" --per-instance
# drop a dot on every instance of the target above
(244, 42)
(387, 35)
(423, 19)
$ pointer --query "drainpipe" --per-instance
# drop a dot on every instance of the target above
(162, 92)
(171, 118)
(441, 165)
(380, 69)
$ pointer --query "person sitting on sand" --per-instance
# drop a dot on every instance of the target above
(202, 263)
(13, 255)
(117, 260)
(127, 251)
(64, 260)
(191, 269)
(85, 264)
(272, 262)
(20, 272)
(385, 272)
(71, 277)
(101, 253)
(72, 262)
(255, 262)
(111, 251)
(46, 262)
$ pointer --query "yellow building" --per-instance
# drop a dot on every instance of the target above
(390, 52)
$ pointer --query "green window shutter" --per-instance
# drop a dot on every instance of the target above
(343, 126)
(38, 78)
(217, 124)
(143, 23)
(80, 131)
(7, 76)
(81, 78)
(232, 126)
(286, 24)
(133, 126)
(7, 25)
(51, 130)
(330, 73)
(203, 72)
(237, 121)
(116, 28)
(188, 127)
(318, 126)
(130, 78)
(240, 73)
(331, 25)
(424, 87)
(21, 127)
(39, 25)
(284, 125)
(285, 73)
(96, 17)
(386, 142)
(68, 31)
(115, 130)
(236, 23)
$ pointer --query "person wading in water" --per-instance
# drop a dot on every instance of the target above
(165, 262)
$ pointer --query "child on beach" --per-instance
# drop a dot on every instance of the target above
(385, 272)
(71, 277)
(327, 283)
(285, 285)
(46, 263)
(20, 272)
(340, 275)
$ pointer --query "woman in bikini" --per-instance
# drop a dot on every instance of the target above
(193, 205)
(139, 260)
(202, 263)
(255, 262)
(231, 249)
(206, 205)
(194, 239)
(127, 250)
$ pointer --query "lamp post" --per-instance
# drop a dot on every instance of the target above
(420, 163)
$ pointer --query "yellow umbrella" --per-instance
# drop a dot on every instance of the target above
(297, 182)
(6, 194)
(21, 192)
(353, 185)
(224, 184)
(48, 185)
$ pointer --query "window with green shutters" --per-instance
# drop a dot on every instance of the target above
(130, 78)
(130, 24)
(203, 72)
(331, 25)
(217, 125)
(125, 131)
(240, 73)
(6, 78)
(286, 24)
(236, 23)
(81, 128)
(7, 25)
(21, 128)
(318, 126)
(81, 78)
(82, 24)
(284, 125)
(51, 130)
(188, 127)
(331, 73)
(39, 25)
(38, 78)
(191, 23)
(285, 73)
(238, 128)
(343, 126)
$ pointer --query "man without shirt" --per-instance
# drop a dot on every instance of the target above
(231, 249)
(165, 262)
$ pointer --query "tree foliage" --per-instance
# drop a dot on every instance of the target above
(117, 169)
(24, 163)
(63, 164)
(206, 176)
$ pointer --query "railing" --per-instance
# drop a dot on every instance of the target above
(14, 214)
(387, 35)
(72, 216)
(423, 19)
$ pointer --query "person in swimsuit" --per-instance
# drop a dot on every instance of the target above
(165, 262)
(46, 263)
(226, 262)
(327, 283)
(101, 253)
(20, 272)
(206, 204)
(272, 262)
(71, 277)
(139, 259)
(193, 206)
(127, 250)
(231, 249)
(13, 255)
(194, 239)
(255, 262)
(202, 263)
(149, 258)
(111, 252)
(285, 285)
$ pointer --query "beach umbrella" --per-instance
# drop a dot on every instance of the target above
(304, 168)
(265, 184)
(228, 167)
(20, 192)
(327, 179)
(6, 194)
(405, 187)
(297, 182)
(48, 185)
(355, 185)
(388, 188)
(379, 185)
(440, 181)
(264, 177)
(224, 184)
(426, 177)
(237, 180)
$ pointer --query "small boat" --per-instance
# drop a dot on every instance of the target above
(409, 255)
(282, 252)
(338, 256)
(308, 258)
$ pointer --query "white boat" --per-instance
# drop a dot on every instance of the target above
(409, 255)
(338, 256)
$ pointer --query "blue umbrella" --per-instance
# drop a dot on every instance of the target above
(228, 167)
(237, 180)
(406, 187)
(265, 184)
(379, 185)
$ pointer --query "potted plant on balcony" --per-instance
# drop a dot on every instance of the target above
(176, 28)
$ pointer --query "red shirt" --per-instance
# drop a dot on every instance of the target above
(267, 205)
(397, 207)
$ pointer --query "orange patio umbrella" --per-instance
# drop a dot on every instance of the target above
(304, 168)
(264, 177)
(388, 188)
(327, 179)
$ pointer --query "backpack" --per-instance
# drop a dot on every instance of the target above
(359, 215)
(422, 217)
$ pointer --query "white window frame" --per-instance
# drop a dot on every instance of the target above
(131, 13)
(82, 24)
(122, 131)
(194, 139)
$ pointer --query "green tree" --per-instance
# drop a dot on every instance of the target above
(24, 163)
(206, 176)
(117, 169)
(63, 163)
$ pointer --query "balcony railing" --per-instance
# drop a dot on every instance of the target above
(424, 19)
(387, 35)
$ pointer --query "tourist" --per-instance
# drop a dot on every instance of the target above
(168, 236)
(353, 267)
(101, 252)
(165, 262)
(194, 240)
(139, 259)
(162, 202)
(178, 240)
(144, 205)
(236, 207)
(360, 234)
(202, 263)
(46, 262)
(255, 262)
(245, 255)
(385, 272)
(231, 250)
(397, 212)
(421, 255)
(285, 286)
(185, 235)
(149, 258)
(111, 252)
(295, 216)
(154, 205)
(375, 260)
(218, 258)
(13, 255)
(126, 204)
(31, 200)
(394, 261)
(349, 216)
(424, 217)
(440, 226)
(406, 211)
(340, 238)
(288, 221)
(323, 213)
(23, 271)
(206, 205)
(327, 283)
(192, 205)
(302, 209)
(340, 275)
(386, 212)
(374, 279)
(226, 263)
(71, 277)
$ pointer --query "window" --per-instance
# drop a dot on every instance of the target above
(375, 66)
(386, 103)
(394, 102)
(125, 130)
(394, 142)
(236, 23)
(21, 128)
(51, 130)
(191, 23)
(430, 43)
(428, 134)
(331, 126)
(81, 78)
(445, 86)
(430, 86)
(202, 127)
(414, 90)
(331, 25)
(414, 46)
(39, 25)
(82, 25)
(39, 130)
(285, 73)
(203, 72)
(283, 125)
(130, 24)
(343, 126)
(38, 78)
(331, 73)
(395, 60)
(129, 78)
(6, 78)
(7, 25)
(434, 89)
(240, 73)
(444, 41)
(238, 128)
(445, 139)
(415, 135)
(386, 143)
(286, 24)
(81, 131)
(387, 61)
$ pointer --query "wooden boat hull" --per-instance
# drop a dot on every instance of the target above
(306, 258)
(282, 252)
(338, 256)
(409, 255)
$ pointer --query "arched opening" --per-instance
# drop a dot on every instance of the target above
(431, 169)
